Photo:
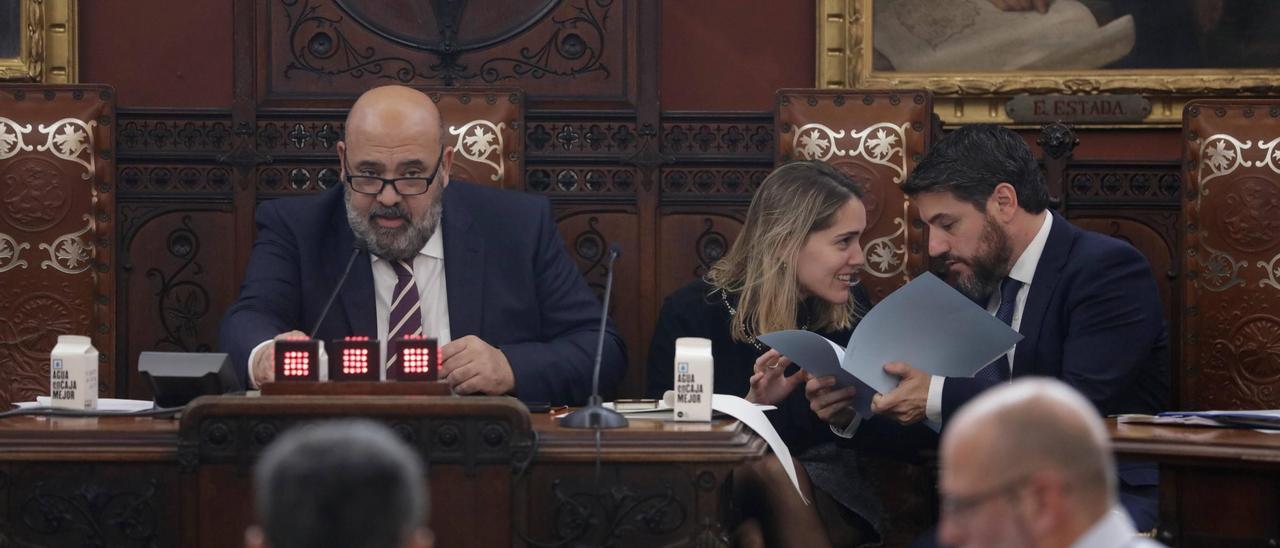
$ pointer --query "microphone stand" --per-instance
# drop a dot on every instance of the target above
(595, 414)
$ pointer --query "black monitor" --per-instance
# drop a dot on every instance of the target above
(176, 378)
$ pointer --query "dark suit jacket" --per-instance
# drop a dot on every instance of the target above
(1092, 319)
(508, 276)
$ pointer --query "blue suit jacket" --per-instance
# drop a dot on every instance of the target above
(508, 276)
(1092, 319)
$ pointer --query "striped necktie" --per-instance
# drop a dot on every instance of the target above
(999, 370)
(406, 309)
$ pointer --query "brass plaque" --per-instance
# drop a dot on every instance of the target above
(1078, 109)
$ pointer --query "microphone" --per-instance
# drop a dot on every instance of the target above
(595, 414)
(355, 252)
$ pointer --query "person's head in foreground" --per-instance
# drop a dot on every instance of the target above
(348, 483)
(980, 191)
(1027, 464)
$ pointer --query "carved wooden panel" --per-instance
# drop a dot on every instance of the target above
(1232, 234)
(57, 201)
(175, 282)
(321, 49)
(588, 233)
(97, 504)
(876, 137)
(692, 241)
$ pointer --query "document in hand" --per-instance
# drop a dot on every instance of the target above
(925, 323)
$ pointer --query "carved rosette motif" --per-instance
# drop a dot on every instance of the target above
(881, 144)
(480, 141)
(71, 139)
(11, 253)
(1246, 212)
(70, 253)
(11, 142)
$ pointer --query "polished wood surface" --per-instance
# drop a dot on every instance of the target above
(498, 475)
(1196, 444)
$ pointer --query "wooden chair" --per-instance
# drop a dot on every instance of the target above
(57, 216)
(1231, 203)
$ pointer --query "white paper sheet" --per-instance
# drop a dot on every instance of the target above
(104, 404)
(747, 412)
(925, 323)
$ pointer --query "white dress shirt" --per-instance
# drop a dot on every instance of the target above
(1114, 530)
(428, 274)
(1024, 270)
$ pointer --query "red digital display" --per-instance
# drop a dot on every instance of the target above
(414, 358)
(297, 363)
(297, 359)
(356, 359)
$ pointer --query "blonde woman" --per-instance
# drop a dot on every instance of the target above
(795, 265)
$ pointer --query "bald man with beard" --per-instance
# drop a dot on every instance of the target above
(482, 270)
(1028, 464)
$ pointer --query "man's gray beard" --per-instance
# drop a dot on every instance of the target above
(393, 244)
(990, 266)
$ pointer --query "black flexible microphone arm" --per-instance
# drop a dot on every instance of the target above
(614, 252)
(355, 252)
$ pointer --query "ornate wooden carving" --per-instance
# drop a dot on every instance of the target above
(876, 137)
(57, 221)
(337, 48)
(1232, 233)
(59, 504)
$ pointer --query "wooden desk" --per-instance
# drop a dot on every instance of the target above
(497, 476)
(1219, 486)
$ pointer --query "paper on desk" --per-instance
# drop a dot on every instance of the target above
(925, 323)
(104, 404)
(748, 414)
(663, 410)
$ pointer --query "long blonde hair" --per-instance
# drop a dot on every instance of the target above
(795, 200)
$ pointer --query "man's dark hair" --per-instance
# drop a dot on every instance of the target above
(340, 483)
(969, 163)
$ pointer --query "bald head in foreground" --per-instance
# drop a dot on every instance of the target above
(1029, 464)
(482, 270)
(340, 483)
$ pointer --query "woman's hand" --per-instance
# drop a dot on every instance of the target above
(768, 383)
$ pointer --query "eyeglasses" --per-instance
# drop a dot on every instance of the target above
(956, 506)
(372, 185)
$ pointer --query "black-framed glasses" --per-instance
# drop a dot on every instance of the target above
(372, 185)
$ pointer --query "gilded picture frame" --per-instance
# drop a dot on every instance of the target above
(39, 44)
(844, 59)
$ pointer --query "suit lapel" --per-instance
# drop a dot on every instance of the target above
(463, 266)
(357, 294)
(1048, 272)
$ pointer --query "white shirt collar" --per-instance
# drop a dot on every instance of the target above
(1115, 529)
(1024, 269)
(434, 248)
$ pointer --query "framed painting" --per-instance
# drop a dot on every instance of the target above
(976, 54)
(38, 41)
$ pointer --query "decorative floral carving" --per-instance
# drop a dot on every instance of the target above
(575, 48)
(1271, 268)
(71, 139)
(1271, 154)
(478, 146)
(880, 144)
(1251, 355)
(884, 259)
(1250, 216)
(1220, 154)
(10, 253)
(1220, 270)
(31, 195)
(69, 253)
(11, 138)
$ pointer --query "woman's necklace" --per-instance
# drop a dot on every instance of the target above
(724, 297)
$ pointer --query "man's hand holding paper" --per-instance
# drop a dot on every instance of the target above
(961, 338)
